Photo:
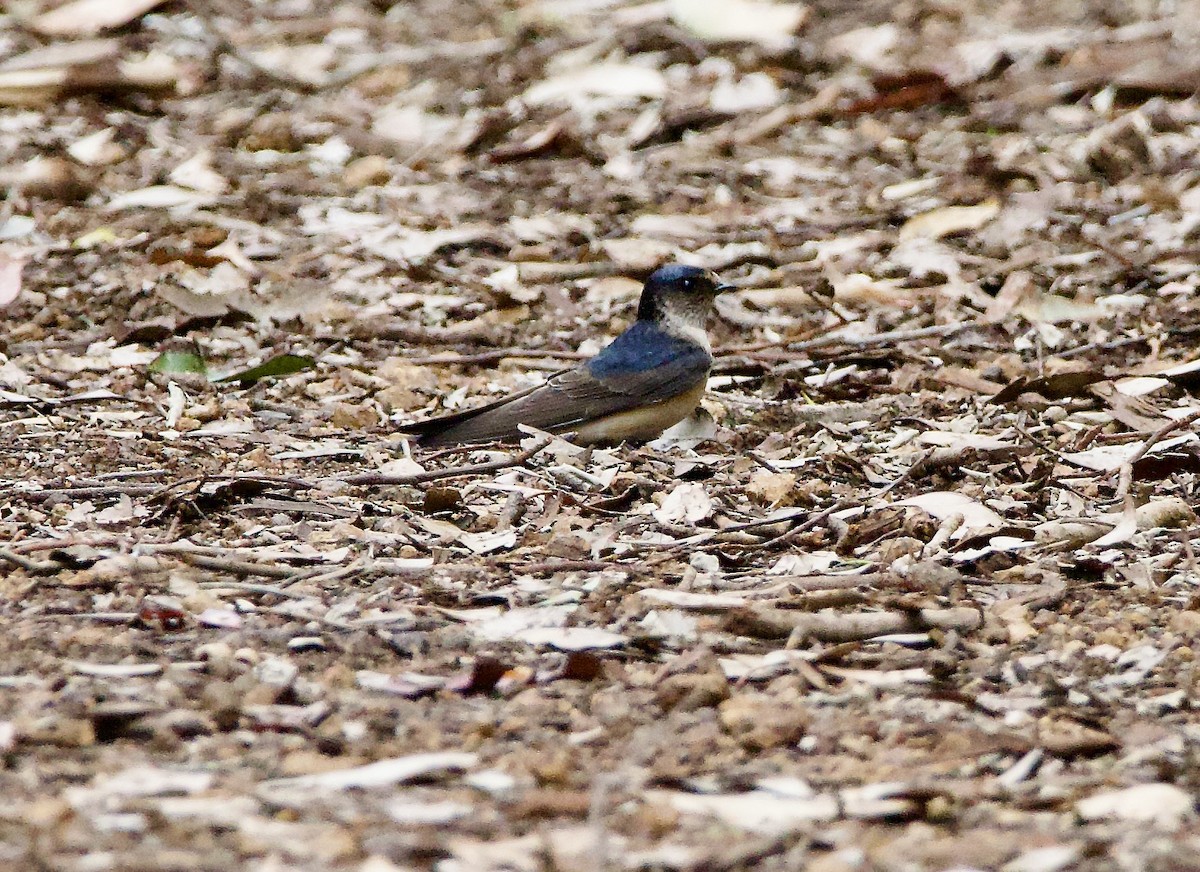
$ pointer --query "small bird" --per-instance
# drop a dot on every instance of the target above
(649, 378)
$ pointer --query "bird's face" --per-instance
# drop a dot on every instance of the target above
(680, 292)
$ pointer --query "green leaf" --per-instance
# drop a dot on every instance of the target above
(179, 361)
(283, 364)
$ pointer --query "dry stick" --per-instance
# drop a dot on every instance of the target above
(34, 567)
(815, 601)
(774, 623)
(101, 490)
(793, 584)
(250, 587)
(280, 481)
(374, 478)
(152, 490)
(844, 581)
(299, 483)
(801, 336)
(886, 337)
(1192, 564)
(1126, 472)
(822, 103)
(703, 538)
(495, 355)
(284, 612)
(796, 532)
(185, 547)
(236, 567)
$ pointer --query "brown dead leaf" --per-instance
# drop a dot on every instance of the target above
(910, 90)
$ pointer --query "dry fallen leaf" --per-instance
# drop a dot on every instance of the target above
(769, 24)
(770, 488)
(11, 266)
(944, 504)
(686, 503)
(1163, 805)
(88, 17)
(624, 83)
(949, 220)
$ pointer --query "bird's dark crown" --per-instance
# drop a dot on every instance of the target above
(678, 280)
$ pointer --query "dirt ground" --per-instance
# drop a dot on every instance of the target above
(918, 591)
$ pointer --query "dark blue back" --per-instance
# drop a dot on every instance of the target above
(645, 347)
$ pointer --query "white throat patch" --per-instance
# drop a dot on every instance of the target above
(680, 325)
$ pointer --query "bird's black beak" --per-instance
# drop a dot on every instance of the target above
(722, 288)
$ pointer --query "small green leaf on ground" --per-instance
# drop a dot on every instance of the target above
(179, 361)
(283, 364)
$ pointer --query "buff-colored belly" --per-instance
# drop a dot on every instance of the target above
(644, 423)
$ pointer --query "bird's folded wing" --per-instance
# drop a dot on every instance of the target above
(567, 399)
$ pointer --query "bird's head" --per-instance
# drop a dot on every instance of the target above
(680, 293)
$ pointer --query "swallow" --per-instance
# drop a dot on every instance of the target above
(649, 378)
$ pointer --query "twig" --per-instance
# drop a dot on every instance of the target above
(886, 338)
(845, 581)
(100, 490)
(34, 567)
(374, 478)
(1125, 479)
(284, 612)
(814, 601)
(250, 587)
(496, 354)
(802, 336)
(151, 490)
(1192, 564)
(279, 481)
(158, 472)
(236, 567)
(785, 116)
(794, 533)
(514, 507)
(568, 566)
(767, 622)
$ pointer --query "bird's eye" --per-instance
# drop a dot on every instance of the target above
(687, 284)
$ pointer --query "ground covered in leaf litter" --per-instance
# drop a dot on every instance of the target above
(921, 594)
